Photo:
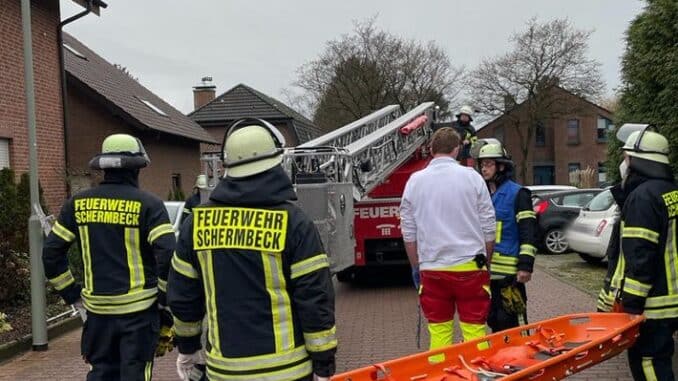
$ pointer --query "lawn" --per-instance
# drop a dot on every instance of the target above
(572, 269)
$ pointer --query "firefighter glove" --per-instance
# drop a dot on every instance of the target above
(512, 300)
(166, 339)
(186, 363)
(80, 309)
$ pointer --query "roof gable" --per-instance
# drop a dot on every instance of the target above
(136, 101)
(242, 101)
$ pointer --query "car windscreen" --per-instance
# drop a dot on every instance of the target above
(173, 211)
(602, 201)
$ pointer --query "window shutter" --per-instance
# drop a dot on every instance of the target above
(4, 153)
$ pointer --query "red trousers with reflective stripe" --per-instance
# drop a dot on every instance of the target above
(443, 292)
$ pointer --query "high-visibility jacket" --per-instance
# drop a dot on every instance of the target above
(126, 243)
(514, 247)
(647, 269)
(254, 264)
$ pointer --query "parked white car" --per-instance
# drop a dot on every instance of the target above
(589, 234)
(175, 210)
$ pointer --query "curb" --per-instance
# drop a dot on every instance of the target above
(18, 346)
(593, 294)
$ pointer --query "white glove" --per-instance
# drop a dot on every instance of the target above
(186, 362)
(319, 378)
(79, 308)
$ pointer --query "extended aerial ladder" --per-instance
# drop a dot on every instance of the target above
(335, 170)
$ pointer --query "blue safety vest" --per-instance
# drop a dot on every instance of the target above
(507, 241)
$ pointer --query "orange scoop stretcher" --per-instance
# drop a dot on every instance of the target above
(546, 350)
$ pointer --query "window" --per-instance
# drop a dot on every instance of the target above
(152, 107)
(543, 174)
(577, 199)
(4, 153)
(602, 174)
(604, 126)
(540, 135)
(572, 167)
(499, 134)
(75, 52)
(602, 201)
(573, 131)
(176, 182)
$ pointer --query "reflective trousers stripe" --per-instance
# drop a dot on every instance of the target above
(648, 369)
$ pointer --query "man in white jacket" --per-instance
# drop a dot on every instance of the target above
(448, 225)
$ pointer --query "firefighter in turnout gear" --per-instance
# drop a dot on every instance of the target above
(514, 249)
(466, 131)
(646, 280)
(126, 243)
(195, 199)
(253, 262)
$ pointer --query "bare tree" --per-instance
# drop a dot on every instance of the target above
(545, 56)
(371, 68)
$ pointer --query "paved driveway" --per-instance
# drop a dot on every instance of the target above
(376, 321)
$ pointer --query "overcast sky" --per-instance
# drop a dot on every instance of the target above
(170, 44)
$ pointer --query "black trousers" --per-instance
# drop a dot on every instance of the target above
(121, 347)
(499, 319)
(650, 357)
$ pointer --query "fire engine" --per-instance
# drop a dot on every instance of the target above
(350, 180)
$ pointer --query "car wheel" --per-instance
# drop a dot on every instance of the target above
(555, 242)
(590, 259)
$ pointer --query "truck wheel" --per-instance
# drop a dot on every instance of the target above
(345, 276)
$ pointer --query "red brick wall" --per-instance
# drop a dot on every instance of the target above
(557, 152)
(13, 122)
(90, 123)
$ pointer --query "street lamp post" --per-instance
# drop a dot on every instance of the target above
(38, 317)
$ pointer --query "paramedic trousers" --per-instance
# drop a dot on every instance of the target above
(443, 292)
(650, 357)
(121, 347)
(501, 318)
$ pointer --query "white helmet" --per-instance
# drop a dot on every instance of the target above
(642, 141)
(466, 109)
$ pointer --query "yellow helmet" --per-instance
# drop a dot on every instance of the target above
(121, 151)
(251, 146)
(642, 141)
(489, 149)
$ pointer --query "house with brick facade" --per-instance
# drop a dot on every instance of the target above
(104, 99)
(573, 138)
(242, 101)
(49, 121)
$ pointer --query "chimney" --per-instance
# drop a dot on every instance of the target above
(203, 93)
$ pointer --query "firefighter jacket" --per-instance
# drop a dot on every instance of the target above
(126, 243)
(191, 203)
(606, 296)
(466, 131)
(254, 263)
(647, 269)
(514, 247)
